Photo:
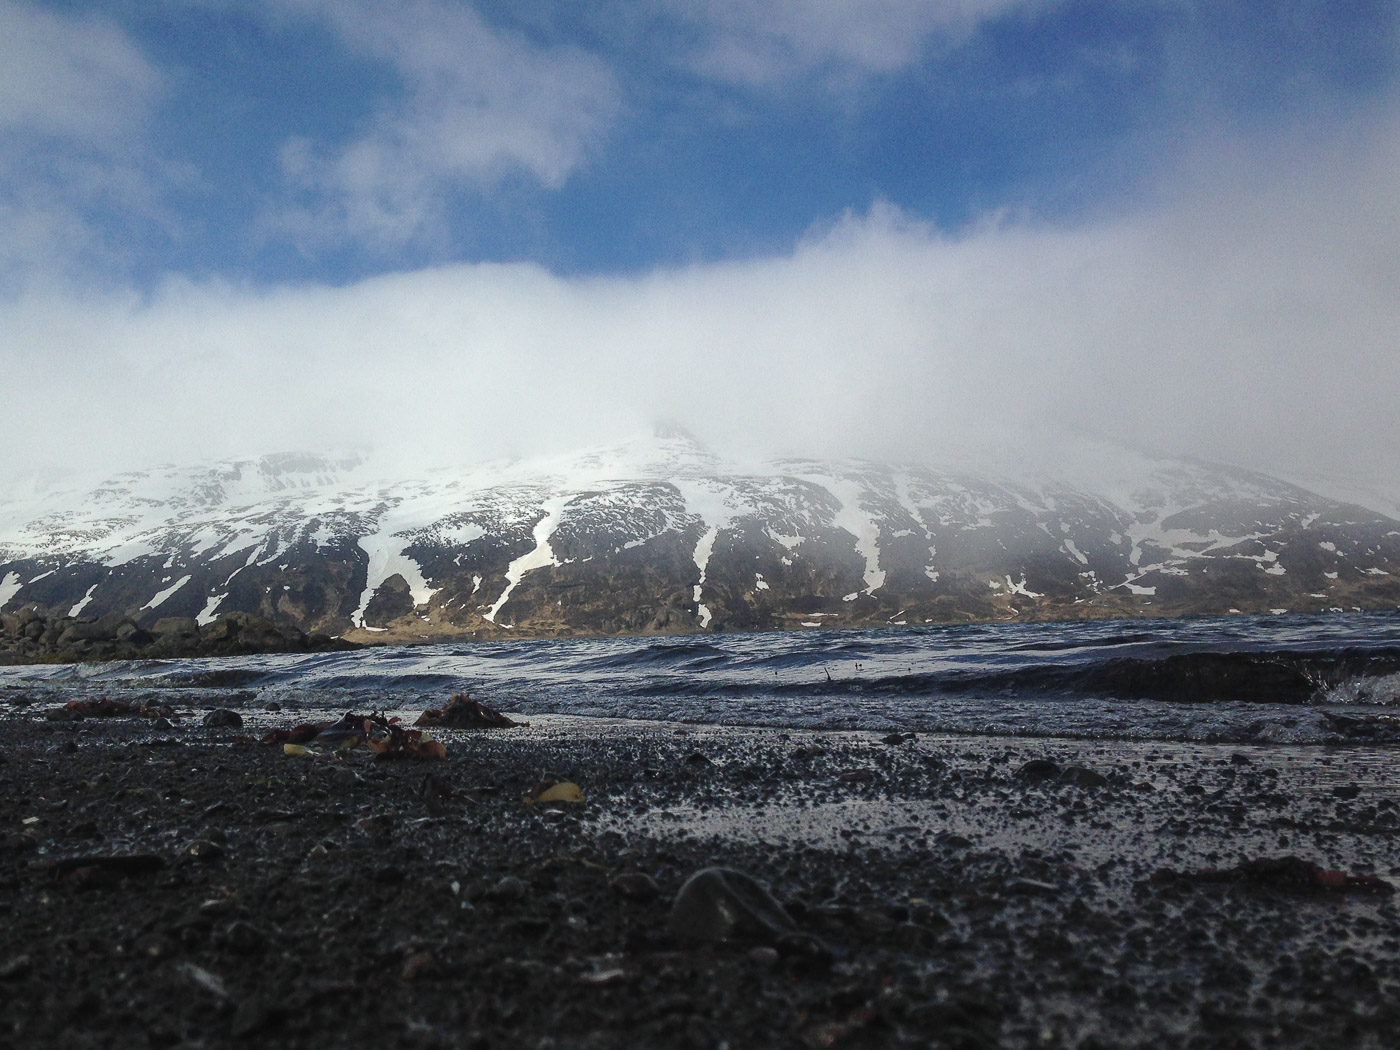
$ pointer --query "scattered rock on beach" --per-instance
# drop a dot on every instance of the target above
(223, 718)
(508, 889)
(1080, 776)
(1038, 770)
(1044, 771)
(635, 886)
(462, 712)
(1281, 874)
(15, 966)
(721, 904)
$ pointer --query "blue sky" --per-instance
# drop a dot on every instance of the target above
(929, 198)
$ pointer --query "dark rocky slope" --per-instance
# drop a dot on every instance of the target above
(660, 537)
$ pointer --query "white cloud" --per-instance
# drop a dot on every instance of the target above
(479, 105)
(759, 41)
(1248, 317)
(70, 77)
(75, 99)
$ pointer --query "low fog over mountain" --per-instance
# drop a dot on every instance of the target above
(659, 535)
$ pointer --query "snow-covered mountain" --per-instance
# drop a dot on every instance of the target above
(658, 535)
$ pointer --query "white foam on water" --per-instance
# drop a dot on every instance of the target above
(1376, 689)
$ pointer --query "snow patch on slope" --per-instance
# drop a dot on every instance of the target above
(703, 550)
(715, 505)
(160, 596)
(386, 559)
(81, 603)
(541, 556)
(9, 587)
(207, 615)
(855, 520)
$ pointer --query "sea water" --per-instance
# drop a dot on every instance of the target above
(1136, 679)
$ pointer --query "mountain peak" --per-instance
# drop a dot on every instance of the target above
(657, 534)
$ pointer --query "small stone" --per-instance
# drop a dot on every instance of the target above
(635, 886)
(721, 904)
(913, 937)
(1020, 887)
(1080, 776)
(416, 965)
(250, 1017)
(155, 946)
(223, 718)
(603, 977)
(509, 888)
(204, 850)
(804, 950)
(243, 938)
(207, 980)
(1037, 770)
(17, 842)
(874, 920)
(763, 955)
(15, 966)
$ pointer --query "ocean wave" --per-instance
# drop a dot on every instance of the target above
(1242, 678)
(1382, 690)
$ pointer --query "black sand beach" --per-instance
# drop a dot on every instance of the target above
(188, 886)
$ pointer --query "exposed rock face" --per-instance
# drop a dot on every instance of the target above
(31, 635)
(659, 537)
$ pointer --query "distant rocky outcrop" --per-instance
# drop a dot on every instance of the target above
(30, 635)
(658, 536)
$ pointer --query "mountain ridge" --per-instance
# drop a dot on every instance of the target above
(660, 535)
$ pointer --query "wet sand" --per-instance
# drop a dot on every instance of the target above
(191, 886)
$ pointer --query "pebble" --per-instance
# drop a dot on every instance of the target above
(223, 718)
(635, 886)
(721, 904)
(1080, 776)
(1037, 770)
(203, 849)
(1030, 888)
(15, 966)
(243, 938)
(508, 888)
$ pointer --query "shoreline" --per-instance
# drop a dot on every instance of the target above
(951, 892)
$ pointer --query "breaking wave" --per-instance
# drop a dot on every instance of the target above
(1271, 678)
(1380, 690)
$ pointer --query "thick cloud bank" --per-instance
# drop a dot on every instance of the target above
(1248, 315)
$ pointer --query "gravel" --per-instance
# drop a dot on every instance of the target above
(191, 887)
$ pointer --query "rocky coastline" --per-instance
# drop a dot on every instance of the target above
(33, 635)
(170, 880)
